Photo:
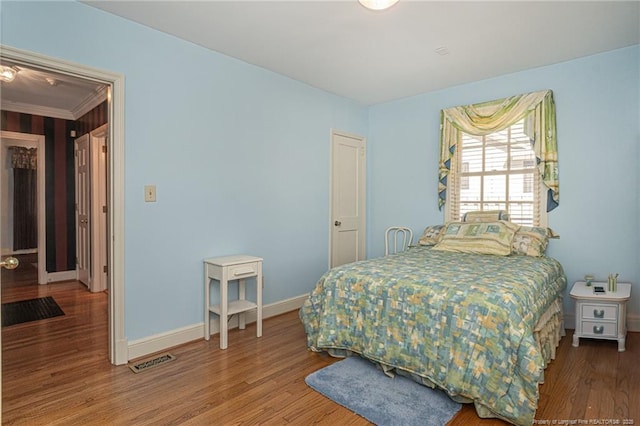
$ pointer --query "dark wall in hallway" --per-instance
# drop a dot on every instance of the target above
(59, 176)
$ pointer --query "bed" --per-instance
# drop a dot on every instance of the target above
(480, 326)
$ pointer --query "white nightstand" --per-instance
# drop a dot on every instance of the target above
(225, 269)
(602, 315)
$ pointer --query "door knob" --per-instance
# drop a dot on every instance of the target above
(337, 223)
(10, 263)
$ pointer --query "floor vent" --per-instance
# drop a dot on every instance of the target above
(148, 363)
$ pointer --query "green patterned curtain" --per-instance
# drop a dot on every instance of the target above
(539, 112)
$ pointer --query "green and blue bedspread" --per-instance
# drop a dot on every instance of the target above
(463, 321)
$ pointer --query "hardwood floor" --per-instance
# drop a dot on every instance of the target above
(56, 372)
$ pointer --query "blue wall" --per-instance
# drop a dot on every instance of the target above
(240, 157)
(598, 115)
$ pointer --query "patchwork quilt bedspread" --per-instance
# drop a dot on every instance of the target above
(463, 321)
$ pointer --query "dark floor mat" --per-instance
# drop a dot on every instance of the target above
(29, 310)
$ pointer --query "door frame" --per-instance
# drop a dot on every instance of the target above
(363, 192)
(118, 346)
(38, 141)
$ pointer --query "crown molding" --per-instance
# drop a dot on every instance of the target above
(37, 110)
(81, 109)
(90, 102)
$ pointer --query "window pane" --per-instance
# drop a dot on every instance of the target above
(471, 141)
(521, 159)
(498, 138)
(517, 134)
(495, 188)
(467, 207)
(472, 156)
(494, 206)
(472, 192)
(521, 187)
(496, 158)
(521, 213)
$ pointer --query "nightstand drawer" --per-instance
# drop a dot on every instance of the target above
(243, 270)
(599, 312)
(599, 329)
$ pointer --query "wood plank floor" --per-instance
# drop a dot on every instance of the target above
(56, 372)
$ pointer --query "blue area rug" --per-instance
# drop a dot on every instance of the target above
(360, 386)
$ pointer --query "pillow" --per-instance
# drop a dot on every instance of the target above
(485, 216)
(531, 241)
(479, 237)
(431, 235)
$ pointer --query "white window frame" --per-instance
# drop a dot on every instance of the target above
(456, 180)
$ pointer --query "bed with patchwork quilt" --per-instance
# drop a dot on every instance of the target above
(480, 326)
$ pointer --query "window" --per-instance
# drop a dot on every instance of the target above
(500, 154)
(497, 172)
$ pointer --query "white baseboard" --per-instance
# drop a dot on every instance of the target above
(633, 323)
(163, 341)
(62, 276)
(5, 251)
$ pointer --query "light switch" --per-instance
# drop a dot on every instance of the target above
(149, 193)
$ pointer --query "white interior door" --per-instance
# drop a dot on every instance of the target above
(83, 239)
(348, 183)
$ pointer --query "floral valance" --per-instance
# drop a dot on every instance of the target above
(539, 113)
(23, 157)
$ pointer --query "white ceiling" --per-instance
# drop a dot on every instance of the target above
(374, 57)
(49, 94)
(367, 56)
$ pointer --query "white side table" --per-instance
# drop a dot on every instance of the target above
(601, 315)
(225, 269)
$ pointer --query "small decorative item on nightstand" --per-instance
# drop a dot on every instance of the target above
(613, 282)
(601, 315)
(588, 279)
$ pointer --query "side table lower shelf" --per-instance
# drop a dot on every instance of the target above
(234, 307)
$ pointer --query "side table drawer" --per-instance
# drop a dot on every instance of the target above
(599, 329)
(599, 312)
(242, 271)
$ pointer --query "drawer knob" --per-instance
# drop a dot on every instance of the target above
(598, 313)
(598, 329)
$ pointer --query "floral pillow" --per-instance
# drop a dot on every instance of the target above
(431, 235)
(478, 237)
(531, 241)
